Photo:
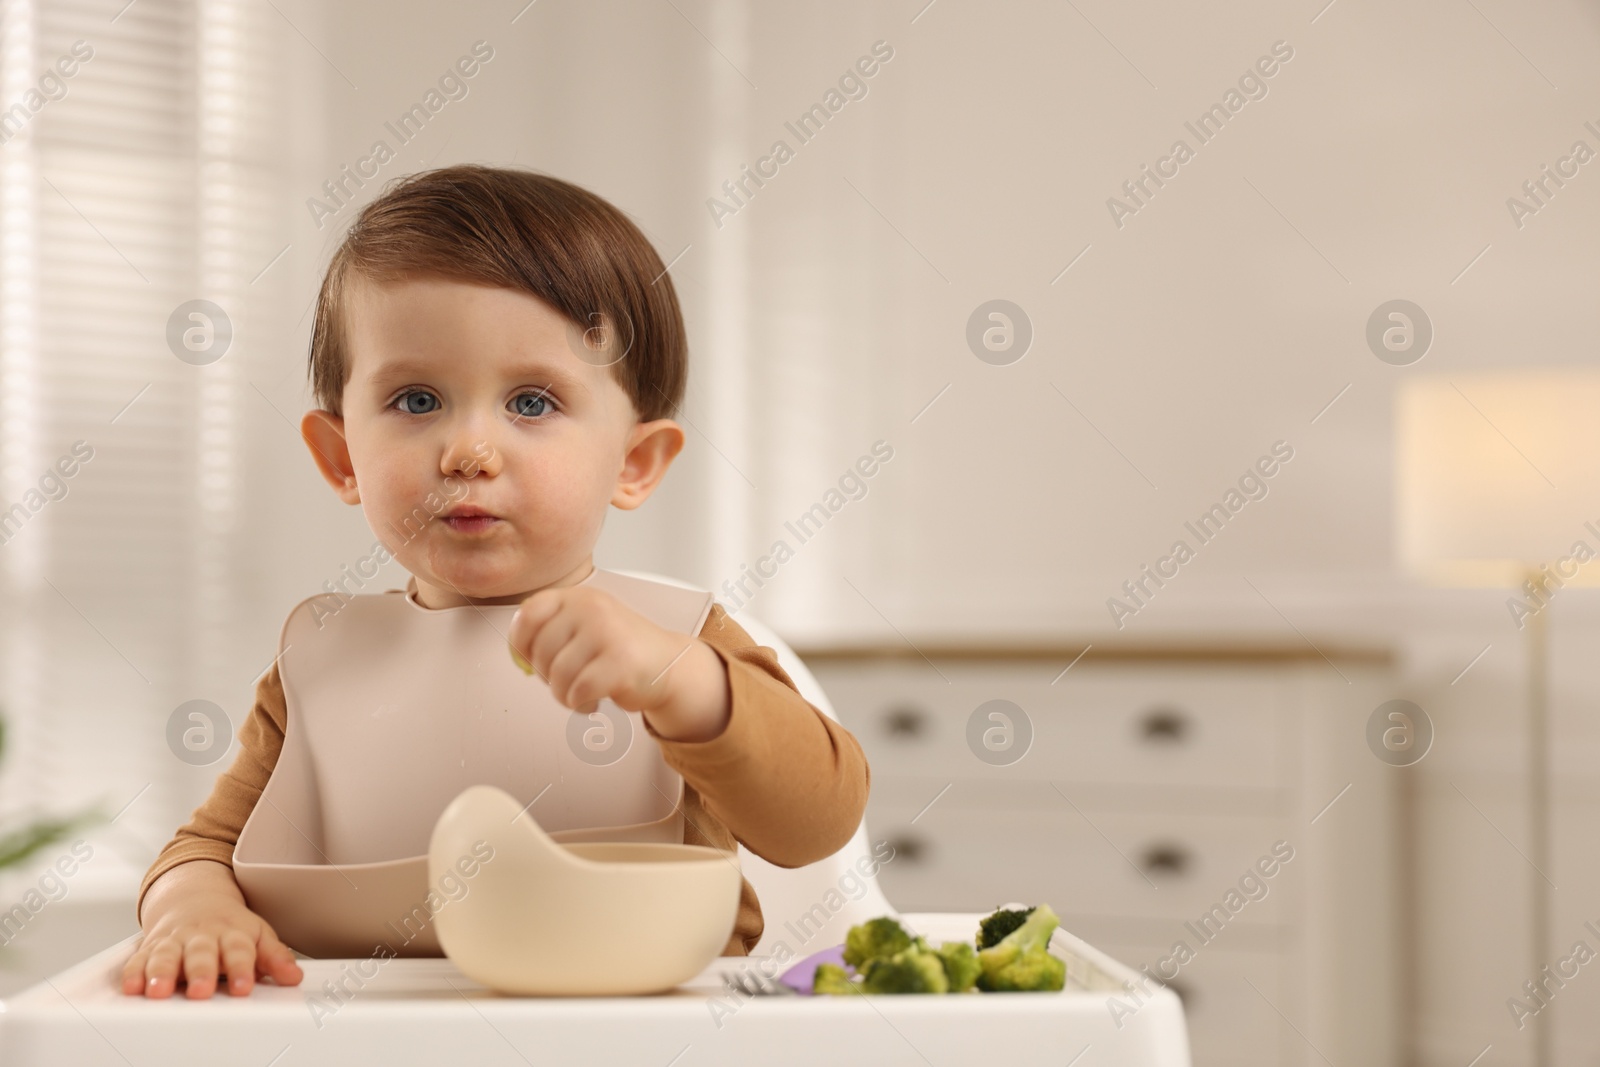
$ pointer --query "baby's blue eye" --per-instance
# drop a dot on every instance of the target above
(529, 405)
(406, 402)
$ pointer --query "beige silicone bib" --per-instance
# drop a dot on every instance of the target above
(394, 710)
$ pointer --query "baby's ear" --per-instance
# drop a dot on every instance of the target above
(324, 435)
(651, 449)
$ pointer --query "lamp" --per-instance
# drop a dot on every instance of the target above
(1498, 485)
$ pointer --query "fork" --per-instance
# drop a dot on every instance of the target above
(754, 984)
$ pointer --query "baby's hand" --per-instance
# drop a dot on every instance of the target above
(590, 646)
(191, 933)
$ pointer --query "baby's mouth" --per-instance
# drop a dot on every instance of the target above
(469, 520)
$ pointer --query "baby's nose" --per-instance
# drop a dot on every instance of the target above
(471, 459)
(468, 455)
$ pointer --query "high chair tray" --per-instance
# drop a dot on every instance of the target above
(424, 1011)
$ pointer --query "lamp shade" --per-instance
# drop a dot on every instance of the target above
(1499, 473)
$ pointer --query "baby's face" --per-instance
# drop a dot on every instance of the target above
(466, 396)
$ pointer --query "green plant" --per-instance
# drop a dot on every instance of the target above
(16, 845)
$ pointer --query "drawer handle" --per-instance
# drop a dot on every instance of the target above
(906, 721)
(1164, 726)
(908, 849)
(1166, 860)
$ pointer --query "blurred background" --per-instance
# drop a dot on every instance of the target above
(989, 258)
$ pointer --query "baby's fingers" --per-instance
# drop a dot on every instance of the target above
(133, 971)
(239, 960)
(160, 974)
(526, 624)
(200, 965)
(273, 958)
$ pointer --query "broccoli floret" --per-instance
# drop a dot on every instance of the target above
(994, 929)
(1011, 955)
(910, 971)
(1021, 962)
(1034, 971)
(830, 978)
(874, 938)
(960, 965)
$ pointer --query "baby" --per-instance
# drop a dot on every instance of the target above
(496, 355)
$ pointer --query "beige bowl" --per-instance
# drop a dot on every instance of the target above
(541, 917)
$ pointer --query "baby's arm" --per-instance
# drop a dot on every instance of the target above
(192, 912)
(789, 782)
(786, 780)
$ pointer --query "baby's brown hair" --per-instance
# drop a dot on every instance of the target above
(517, 229)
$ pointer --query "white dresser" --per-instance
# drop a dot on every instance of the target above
(1156, 781)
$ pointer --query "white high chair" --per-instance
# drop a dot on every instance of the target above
(414, 1007)
(792, 894)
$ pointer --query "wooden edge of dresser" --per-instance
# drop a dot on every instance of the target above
(1094, 652)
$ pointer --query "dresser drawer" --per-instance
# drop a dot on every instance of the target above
(959, 856)
(1168, 726)
(1148, 790)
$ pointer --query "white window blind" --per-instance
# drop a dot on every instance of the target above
(151, 181)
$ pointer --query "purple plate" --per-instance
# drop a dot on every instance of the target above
(800, 976)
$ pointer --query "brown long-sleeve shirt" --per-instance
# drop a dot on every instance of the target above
(782, 778)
